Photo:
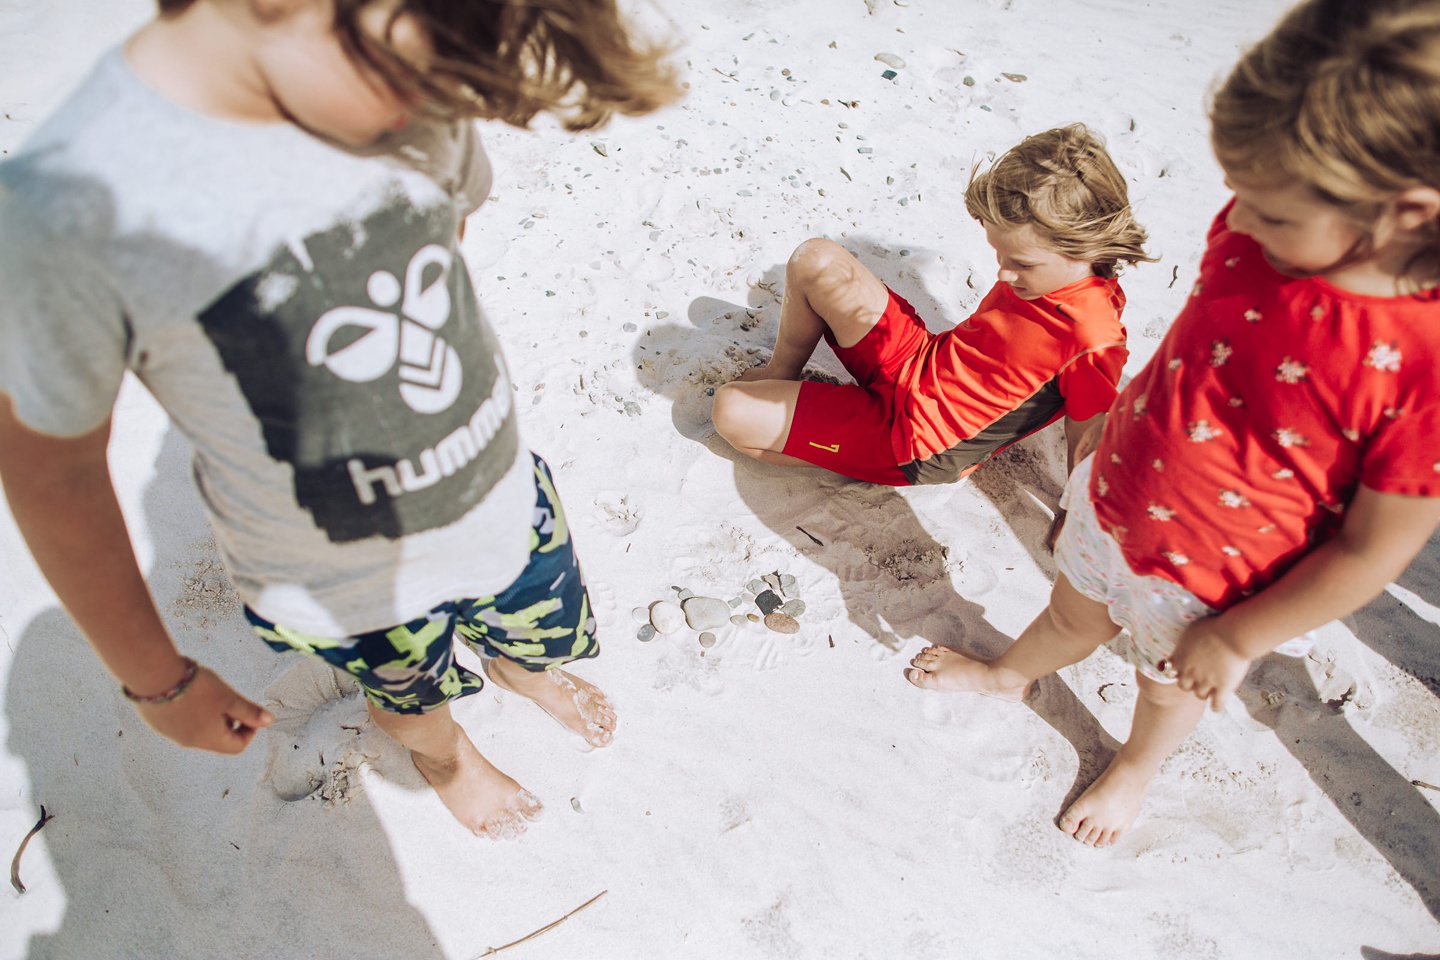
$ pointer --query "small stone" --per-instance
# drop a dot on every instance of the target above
(739, 620)
(646, 633)
(707, 639)
(640, 614)
(661, 314)
(889, 75)
(792, 608)
(968, 81)
(682, 595)
(787, 584)
(756, 586)
(599, 148)
(866, 150)
(667, 617)
(629, 328)
(705, 613)
(774, 94)
(632, 409)
(734, 602)
(986, 108)
(890, 60)
(743, 193)
(773, 579)
(768, 602)
(752, 618)
(1015, 77)
(782, 623)
(575, 804)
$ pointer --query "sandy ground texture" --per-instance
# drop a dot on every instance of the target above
(769, 796)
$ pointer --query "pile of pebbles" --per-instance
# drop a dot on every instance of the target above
(773, 595)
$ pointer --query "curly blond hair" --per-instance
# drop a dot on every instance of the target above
(1064, 184)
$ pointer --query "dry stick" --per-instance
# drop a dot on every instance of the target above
(1427, 786)
(494, 950)
(812, 536)
(15, 864)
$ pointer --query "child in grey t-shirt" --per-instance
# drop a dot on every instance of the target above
(257, 212)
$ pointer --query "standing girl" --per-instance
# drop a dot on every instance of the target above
(1277, 461)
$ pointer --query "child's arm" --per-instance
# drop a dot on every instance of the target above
(1382, 533)
(1081, 439)
(60, 493)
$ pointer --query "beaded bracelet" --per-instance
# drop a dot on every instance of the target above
(174, 693)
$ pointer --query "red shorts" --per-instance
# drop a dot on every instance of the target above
(848, 427)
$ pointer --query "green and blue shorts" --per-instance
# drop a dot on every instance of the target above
(541, 620)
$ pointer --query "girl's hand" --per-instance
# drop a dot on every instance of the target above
(1206, 664)
(207, 716)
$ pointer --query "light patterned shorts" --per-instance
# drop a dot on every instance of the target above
(1151, 611)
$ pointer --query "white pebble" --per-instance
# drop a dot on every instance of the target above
(666, 617)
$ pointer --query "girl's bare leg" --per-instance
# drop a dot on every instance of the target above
(1164, 717)
(1067, 631)
(484, 800)
(824, 287)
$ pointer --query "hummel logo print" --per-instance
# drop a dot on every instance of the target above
(430, 374)
(363, 356)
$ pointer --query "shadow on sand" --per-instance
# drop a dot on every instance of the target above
(871, 539)
(141, 824)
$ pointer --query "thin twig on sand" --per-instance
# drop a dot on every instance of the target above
(550, 926)
(812, 536)
(1427, 786)
(15, 864)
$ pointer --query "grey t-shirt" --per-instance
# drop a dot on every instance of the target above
(302, 313)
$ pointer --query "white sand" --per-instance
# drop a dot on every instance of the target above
(772, 796)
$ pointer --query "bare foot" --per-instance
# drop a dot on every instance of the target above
(940, 668)
(578, 706)
(761, 373)
(1108, 807)
(486, 801)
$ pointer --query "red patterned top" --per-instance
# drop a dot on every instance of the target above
(1241, 443)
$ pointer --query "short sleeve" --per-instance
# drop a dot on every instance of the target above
(63, 333)
(1090, 383)
(1403, 457)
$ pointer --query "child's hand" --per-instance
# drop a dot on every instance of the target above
(1205, 663)
(209, 716)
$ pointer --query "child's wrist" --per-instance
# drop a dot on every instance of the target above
(151, 691)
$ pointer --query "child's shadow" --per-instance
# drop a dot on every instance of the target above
(896, 581)
(1381, 803)
(163, 851)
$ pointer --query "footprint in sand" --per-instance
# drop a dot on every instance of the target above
(316, 745)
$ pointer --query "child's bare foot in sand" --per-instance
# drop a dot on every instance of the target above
(486, 801)
(766, 372)
(1108, 807)
(940, 668)
(579, 707)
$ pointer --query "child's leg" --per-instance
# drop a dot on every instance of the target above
(1067, 631)
(1164, 717)
(541, 621)
(755, 418)
(482, 798)
(824, 287)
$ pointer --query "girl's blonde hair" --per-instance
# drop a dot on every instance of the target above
(1343, 95)
(510, 60)
(1064, 184)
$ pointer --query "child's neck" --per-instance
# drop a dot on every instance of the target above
(1381, 273)
(201, 59)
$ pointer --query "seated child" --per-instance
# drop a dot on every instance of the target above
(254, 207)
(926, 407)
(1275, 465)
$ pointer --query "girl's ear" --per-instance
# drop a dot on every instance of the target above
(1417, 208)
